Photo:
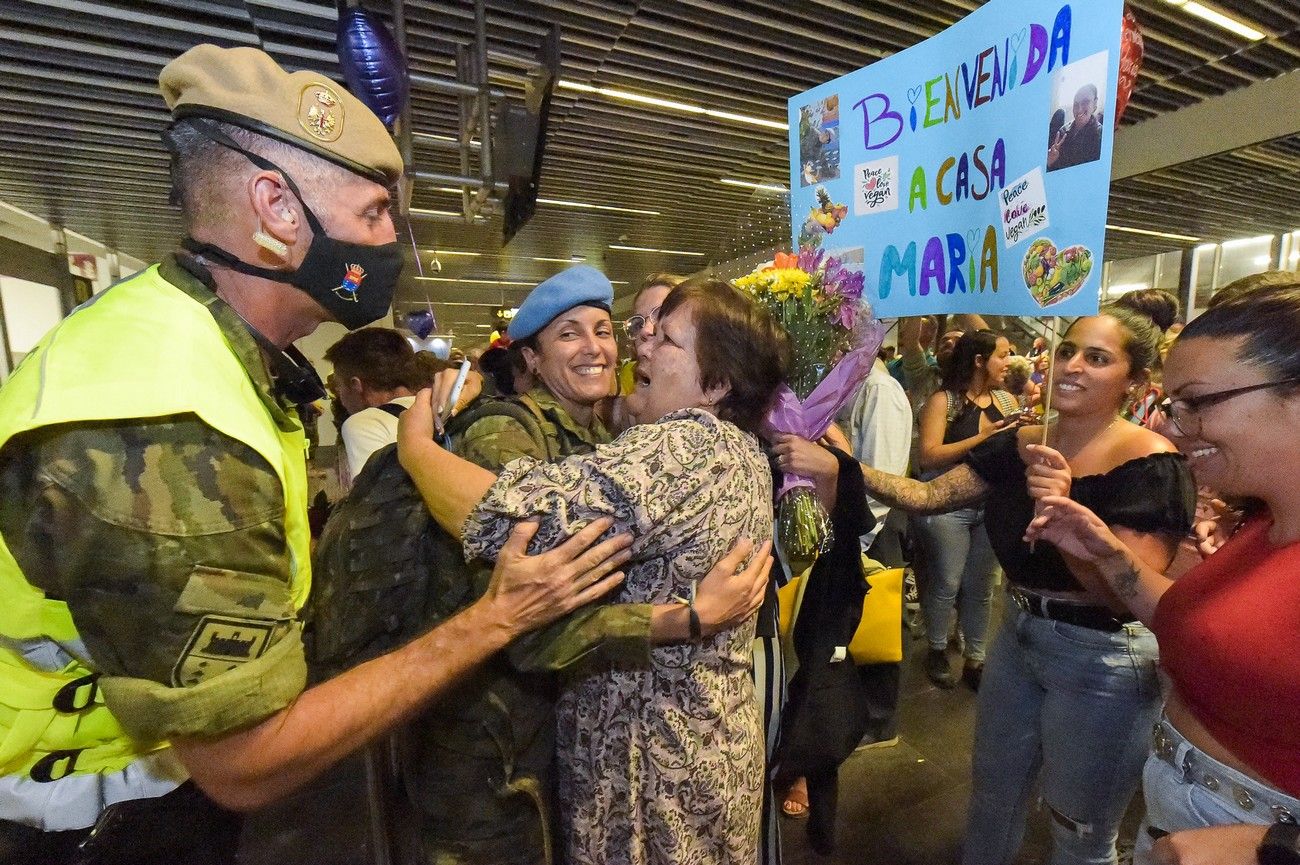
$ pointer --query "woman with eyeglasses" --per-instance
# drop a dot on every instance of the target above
(1070, 689)
(1222, 783)
(639, 327)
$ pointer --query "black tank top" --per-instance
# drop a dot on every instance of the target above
(967, 421)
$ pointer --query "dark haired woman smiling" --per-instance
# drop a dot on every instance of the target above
(1070, 686)
(1224, 772)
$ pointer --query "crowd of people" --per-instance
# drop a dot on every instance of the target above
(595, 673)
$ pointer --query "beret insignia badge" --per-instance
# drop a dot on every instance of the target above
(320, 112)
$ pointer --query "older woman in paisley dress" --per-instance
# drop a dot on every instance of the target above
(661, 762)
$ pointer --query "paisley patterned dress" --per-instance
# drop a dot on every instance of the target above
(658, 762)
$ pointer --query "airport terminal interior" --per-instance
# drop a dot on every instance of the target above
(922, 200)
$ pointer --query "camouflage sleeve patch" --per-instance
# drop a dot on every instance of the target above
(170, 476)
(167, 541)
(494, 441)
(245, 694)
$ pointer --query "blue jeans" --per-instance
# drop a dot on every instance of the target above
(958, 557)
(1070, 708)
(1202, 792)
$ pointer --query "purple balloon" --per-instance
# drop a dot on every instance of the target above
(372, 64)
(420, 323)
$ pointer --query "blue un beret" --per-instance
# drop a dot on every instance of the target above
(580, 285)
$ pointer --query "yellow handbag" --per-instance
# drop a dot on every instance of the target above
(879, 637)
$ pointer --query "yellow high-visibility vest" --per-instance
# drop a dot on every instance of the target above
(141, 349)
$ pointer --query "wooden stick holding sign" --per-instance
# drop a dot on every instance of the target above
(1047, 398)
(1051, 374)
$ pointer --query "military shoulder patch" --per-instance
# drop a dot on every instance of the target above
(218, 645)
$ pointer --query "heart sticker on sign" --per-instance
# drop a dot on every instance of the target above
(1054, 275)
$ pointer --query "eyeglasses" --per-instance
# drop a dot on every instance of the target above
(637, 323)
(1185, 413)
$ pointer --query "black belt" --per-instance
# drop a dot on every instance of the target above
(1093, 616)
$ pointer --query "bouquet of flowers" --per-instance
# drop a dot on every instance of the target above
(834, 340)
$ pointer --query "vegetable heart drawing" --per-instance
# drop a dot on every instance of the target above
(1054, 275)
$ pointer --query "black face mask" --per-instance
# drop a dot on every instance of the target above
(354, 282)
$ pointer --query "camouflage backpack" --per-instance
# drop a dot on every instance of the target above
(379, 571)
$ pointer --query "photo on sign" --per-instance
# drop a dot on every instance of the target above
(1078, 112)
(822, 219)
(875, 186)
(819, 141)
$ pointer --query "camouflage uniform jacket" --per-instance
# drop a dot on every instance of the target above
(148, 528)
(477, 764)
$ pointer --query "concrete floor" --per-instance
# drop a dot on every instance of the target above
(906, 804)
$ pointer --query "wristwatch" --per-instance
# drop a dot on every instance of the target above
(1281, 845)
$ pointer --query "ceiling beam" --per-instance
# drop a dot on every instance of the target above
(1210, 127)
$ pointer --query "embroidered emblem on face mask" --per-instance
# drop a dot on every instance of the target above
(351, 283)
(320, 112)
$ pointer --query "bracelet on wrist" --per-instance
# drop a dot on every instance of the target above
(692, 615)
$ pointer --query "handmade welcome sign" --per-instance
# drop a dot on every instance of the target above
(971, 172)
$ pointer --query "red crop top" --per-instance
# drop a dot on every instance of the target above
(1229, 634)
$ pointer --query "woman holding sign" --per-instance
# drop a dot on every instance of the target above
(1223, 778)
(1070, 689)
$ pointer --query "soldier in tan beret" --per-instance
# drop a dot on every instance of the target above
(154, 550)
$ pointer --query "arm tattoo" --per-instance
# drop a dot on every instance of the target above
(1124, 578)
(957, 488)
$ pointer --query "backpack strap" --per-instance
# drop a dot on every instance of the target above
(395, 409)
(520, 409)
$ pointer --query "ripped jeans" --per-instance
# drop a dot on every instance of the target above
(1068, 708)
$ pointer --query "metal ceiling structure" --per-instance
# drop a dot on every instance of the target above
(80, 116)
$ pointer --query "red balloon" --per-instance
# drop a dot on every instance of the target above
(1130, 62)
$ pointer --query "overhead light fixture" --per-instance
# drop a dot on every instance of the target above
(1219, 19)
(588, 206)
(770, 187)
(1125, 287)
(475, 281)
(1246, 241)
(1150, 233)
(1263, 260)
(557, 202)
(575, 259)
(424, 211)
(672, 105)
(497, 282)
(648, 249)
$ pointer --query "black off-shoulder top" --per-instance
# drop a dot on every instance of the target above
(1154, 493)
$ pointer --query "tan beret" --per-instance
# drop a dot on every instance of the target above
(245, 87)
